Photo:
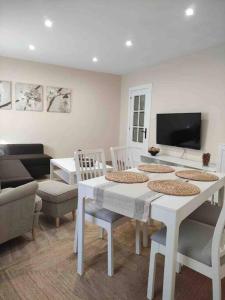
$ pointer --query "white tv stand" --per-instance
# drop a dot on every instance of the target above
(177, 161)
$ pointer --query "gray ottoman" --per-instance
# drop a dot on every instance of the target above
(58, 199)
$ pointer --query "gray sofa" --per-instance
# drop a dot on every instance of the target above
(32, 156)
(13, 173)
(19, 211)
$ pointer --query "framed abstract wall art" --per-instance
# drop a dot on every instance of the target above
(58, 99)
(5, 95)
(29, 97)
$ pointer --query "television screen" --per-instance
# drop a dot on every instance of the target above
(179, 130)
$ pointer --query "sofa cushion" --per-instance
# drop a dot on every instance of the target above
(13, 173)
(31, 159)
(13, 149)
(56, 191)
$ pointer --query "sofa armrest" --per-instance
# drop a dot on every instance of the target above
(17, 193)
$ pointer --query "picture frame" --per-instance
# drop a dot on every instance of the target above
(58, 99)
(28, 97)
(5, 95)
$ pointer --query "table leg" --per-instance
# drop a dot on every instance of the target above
(80, 229)
(75, 235)
(51, 171)
(170, 259)
(145, 234)
(137, 238)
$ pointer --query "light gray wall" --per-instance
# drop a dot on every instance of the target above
(93, 122)
(194, 83)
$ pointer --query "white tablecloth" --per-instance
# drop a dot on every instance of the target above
(133, 201)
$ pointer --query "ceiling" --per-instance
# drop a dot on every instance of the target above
(83, 29)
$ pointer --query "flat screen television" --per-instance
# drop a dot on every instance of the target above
(179, 130)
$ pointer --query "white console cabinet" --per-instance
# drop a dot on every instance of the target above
(177, 161)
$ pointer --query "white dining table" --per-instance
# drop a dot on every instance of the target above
(170, 210)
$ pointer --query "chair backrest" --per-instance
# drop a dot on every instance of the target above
(89, 164)
(124, 158)
(221, 159)
(218, 245)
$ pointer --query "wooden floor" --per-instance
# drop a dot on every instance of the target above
(46, 268)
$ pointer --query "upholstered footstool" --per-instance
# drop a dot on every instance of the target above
(58, 199)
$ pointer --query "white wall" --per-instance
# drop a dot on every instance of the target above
(195, 83)
(93, 122)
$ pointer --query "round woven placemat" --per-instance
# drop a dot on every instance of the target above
(152, 168)
(126, 177)
(173, 187)
(196, 175)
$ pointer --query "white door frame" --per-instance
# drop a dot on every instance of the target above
(148, 111)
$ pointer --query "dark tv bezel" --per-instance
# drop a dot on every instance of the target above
(192, 148)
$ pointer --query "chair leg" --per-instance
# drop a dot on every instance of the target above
(110, 252)
(138, 238)
(75, 237)
(178, 268)
(101, 233)
(151, 273)
(57, 222)
(73, 214)
(33, 233)
(216, 285)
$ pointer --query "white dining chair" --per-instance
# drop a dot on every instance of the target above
(124, 158)
(200, 247)
(90, 164)
(209, 211)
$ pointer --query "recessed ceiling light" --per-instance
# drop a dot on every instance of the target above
(48, 23)
(189, 12)
(31, 47)
(95, 59)
(129, 43)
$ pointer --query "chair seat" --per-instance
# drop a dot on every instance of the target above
(195, 241)
(207, 213)
(102, 213)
